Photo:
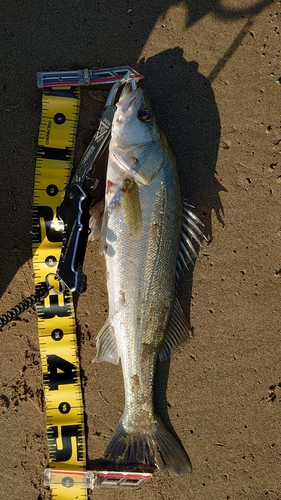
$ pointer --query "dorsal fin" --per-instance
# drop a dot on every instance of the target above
(190, 231)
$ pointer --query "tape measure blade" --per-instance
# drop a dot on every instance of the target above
(56, 319)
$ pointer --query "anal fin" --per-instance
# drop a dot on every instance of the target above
(178, 332)
(106, 345)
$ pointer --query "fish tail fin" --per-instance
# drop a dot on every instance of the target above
(144, 451)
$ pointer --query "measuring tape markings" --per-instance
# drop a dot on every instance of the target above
(56, 319)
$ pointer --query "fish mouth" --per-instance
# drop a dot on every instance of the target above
(129, 101)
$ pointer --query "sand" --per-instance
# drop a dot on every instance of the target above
(212, 72)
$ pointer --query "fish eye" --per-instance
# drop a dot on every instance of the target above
(145, 115)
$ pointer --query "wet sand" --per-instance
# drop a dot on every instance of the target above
(212, 73)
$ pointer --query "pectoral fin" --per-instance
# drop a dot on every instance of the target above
(131, 207)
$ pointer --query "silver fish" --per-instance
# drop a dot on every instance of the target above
(146, 236)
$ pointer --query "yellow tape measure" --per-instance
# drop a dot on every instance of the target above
(56, 319)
